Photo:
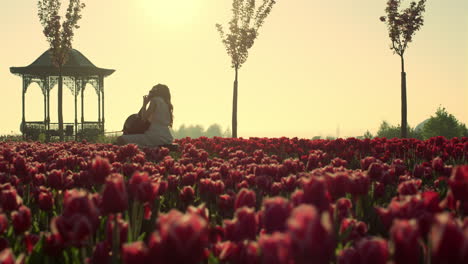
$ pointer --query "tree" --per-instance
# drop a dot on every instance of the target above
(390, 131)
(443, 124)
(213, 131)
(60, 37)
(402, 27)
(243, 30)
(368, 135)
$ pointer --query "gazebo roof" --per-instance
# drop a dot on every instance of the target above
(77, 65)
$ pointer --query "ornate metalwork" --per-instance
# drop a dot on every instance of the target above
(69, 82)
(78, 86)
(28, 80)
(95, 83)
(53, 80)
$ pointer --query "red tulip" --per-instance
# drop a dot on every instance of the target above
(122, 227)
(438, 164)
(187, 195)
(21, 219)
(7, 257)
(315, 193)
(245, 197)
(3, 223)
(405, 236)
(356, 229)
(142, 187)
(410, 187)
(276, 248)
(75, 230)
(372, 251)
(45, 200)
(184, 237)
(249, 253)
(30, 241)
(55, 179)
(53, 244)
(80, 202)
(275, 214)
(366, 162)
(100, 169)
(114, 195)
(359, 184)
(243, 226)
(446, 240)
(101, 254)
(337, 184)
(459, 183)
(311, 235)
(348, 256)
(228, 252)
(135, 253)
(9, 198)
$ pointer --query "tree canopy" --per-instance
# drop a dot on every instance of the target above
(443, 124)
(403, 25)
(243, 28)
(59, 35)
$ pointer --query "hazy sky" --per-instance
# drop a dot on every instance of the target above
(318, 67)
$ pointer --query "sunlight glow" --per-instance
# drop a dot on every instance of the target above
(170, 12)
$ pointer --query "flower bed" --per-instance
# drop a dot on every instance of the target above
(234, 201)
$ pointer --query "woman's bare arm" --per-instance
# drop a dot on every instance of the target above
(147, 113)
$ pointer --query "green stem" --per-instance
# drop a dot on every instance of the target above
(115, 241)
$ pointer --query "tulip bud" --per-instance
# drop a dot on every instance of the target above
(373, 251)
(3, 223)
(405, 236)
(135, 253)
(100, 169)
(21, 219)
(311, 235)
(276, 248)
(7, 257)
(114, 195)
(55, 179)
(187, 195)
(275, 213)
(245, 197)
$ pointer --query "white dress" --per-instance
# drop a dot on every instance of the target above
(158, 132)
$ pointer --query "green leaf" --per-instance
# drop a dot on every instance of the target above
(212, 259)
(37, 255)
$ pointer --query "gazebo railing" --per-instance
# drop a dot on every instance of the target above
(33, 129)
(88, 130)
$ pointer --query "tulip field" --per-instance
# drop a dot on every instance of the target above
(223, 200)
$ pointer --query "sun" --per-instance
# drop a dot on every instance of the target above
(171, 12)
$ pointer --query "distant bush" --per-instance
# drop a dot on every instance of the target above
(196, 131)
(443, 124)
(390, 131)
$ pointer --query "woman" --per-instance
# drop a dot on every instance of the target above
(159, 114)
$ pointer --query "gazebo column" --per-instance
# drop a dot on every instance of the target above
(48, 103)
(45, 108)
(101, 86)
(75, 94)
(23, 119)
(99, 103)
(82, 106)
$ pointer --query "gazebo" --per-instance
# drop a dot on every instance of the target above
(76, 73)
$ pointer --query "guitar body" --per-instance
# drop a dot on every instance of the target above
(135, 125)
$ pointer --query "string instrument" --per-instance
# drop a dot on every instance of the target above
(135, 124)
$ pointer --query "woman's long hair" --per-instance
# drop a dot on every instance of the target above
(162, 91)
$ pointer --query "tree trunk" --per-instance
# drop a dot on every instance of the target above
(404, 122)
(60, 105)
(234, 105)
